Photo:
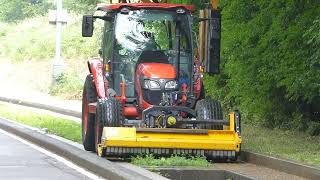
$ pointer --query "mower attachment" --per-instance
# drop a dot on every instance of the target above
(214, 144)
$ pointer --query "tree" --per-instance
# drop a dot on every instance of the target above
(270, 61)
(16, 10)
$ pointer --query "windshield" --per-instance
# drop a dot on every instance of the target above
(150, 30)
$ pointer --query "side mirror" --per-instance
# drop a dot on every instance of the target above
(212, 65)
(87, 26)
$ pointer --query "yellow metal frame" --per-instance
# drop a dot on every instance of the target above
(226, 139)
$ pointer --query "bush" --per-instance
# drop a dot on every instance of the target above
(314, 129)
(270, 61)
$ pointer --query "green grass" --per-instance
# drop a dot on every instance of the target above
(292, 145)
(181, 161)
(58, 126)
(69, 86)
(35, 39)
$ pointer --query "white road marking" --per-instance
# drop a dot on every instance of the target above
(55, 156)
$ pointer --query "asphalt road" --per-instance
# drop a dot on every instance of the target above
(20, 160)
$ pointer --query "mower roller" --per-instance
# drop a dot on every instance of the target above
(145, 94)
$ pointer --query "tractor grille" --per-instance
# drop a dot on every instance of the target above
(152, 97)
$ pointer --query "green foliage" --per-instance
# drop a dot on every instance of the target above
(270, 61)
(196, 3)
(30, 39)
(68, 86)
(16, 10)
(82, 6)
(149, 160)
(287, 144)
(35, 39)
(61, 127)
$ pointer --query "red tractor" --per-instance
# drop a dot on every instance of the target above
(145, 93)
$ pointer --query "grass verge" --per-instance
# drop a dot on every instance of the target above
(292, 145)
(61, 127)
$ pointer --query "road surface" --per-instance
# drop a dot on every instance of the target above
(22, 160)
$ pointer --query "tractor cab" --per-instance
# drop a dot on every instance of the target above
(146, 47)
(147, 55)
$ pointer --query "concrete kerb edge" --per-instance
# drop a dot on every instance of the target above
(286, 166)
(201, 170)
(55, 109)
(90, 161)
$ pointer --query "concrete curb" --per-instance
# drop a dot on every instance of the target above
(201, 173)
(90, 161)
(289, 167)
(55, 109)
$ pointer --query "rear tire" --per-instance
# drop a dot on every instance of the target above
(89, 96)
(208, 109)
(109, 114)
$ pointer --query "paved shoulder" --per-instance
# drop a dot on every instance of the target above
(20, 161)
(257, 172)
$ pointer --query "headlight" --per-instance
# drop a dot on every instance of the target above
(171, 85)
(150, 84)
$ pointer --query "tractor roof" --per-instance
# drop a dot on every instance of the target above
(118, 6)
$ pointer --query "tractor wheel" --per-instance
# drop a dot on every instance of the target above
(109, 114)
(89, 96)
(207, 109)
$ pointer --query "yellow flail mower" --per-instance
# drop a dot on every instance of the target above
(145, 93)
(214, 144)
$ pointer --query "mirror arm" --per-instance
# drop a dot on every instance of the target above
(106, 18)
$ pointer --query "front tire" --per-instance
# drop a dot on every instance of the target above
(210, 110)
(88, 119)
(109, 114)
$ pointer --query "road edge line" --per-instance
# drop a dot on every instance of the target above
(89, 161)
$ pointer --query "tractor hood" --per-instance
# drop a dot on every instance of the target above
(157, 70)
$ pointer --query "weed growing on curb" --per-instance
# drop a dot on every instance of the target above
(174, 160)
